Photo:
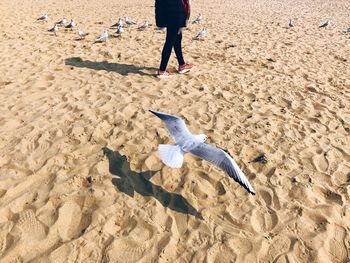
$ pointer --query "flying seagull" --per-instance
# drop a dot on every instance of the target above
(200, 34)
(81, 33)
(173, 155)
(119, 23)
(71, 24)
(198, 19)
(326, 24)
(44, 17)
(62, 22)
(54, 29)
(291, 24)
(129, 21)
(143, 25)
(103, 37)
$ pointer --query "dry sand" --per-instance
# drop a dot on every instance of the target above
(257, 87)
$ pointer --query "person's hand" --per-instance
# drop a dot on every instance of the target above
(180, 30)
(186, 24)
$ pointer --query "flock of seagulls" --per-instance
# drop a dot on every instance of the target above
(118, 26)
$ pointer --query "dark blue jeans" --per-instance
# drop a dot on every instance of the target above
(173, 40)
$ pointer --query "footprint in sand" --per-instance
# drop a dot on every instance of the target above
(263, 220)
(126, 250)
(320, 162)
(5, 228)
(32, 229)
(279, 246)
(221, 254)
(68, 222)
(334, 158)
(335, 245)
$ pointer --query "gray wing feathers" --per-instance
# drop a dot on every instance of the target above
(176, 126)
(224, 161)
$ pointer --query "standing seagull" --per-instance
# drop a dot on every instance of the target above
(291, 24)
(200, 34)
(144, 25)
(44, 18)
(54, 29)
(103, 37)
(120, 29)
(81, 33)
(119, 23)
(173, 155)
(62, 22)
(326, 24)
(198, 19)
(129, 22)
(71, 24)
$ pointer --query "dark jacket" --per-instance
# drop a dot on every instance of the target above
(170, 13)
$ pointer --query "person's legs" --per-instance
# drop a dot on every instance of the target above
(171, 35)
(178, 49)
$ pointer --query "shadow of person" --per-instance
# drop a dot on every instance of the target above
(122, 69)
(130, 181)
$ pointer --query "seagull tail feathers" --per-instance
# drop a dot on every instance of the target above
(171, 155)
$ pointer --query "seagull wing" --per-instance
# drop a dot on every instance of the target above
(224, 161)
(175, 125)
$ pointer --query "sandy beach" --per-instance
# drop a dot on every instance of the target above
(257, 87)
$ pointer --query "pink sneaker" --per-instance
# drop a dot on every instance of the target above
(185, 68)
(164, 74)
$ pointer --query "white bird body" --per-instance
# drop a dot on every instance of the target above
(143, 25)
(62, 22)
(119, 23)
(54, 29)
(71, 24)
(129, 21)
(198, 19)
(81, 33)
(173, 155)
(200, 34)
(44, 17)
(120, 29)
(103, 37)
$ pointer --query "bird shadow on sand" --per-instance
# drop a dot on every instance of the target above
(130, 182)
(122, 69)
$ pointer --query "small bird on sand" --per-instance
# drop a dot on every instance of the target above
(62, 22)
(81, 33)
(325, 24)
(173, 155)
(103, 37)
(71, 24)
(129, 21)
(119, 23)
(44, 18)
(120, 29)
(348, 30)
(198, 19)
(54, 29)
(200, 34)
(290, 24)
(144, 25)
